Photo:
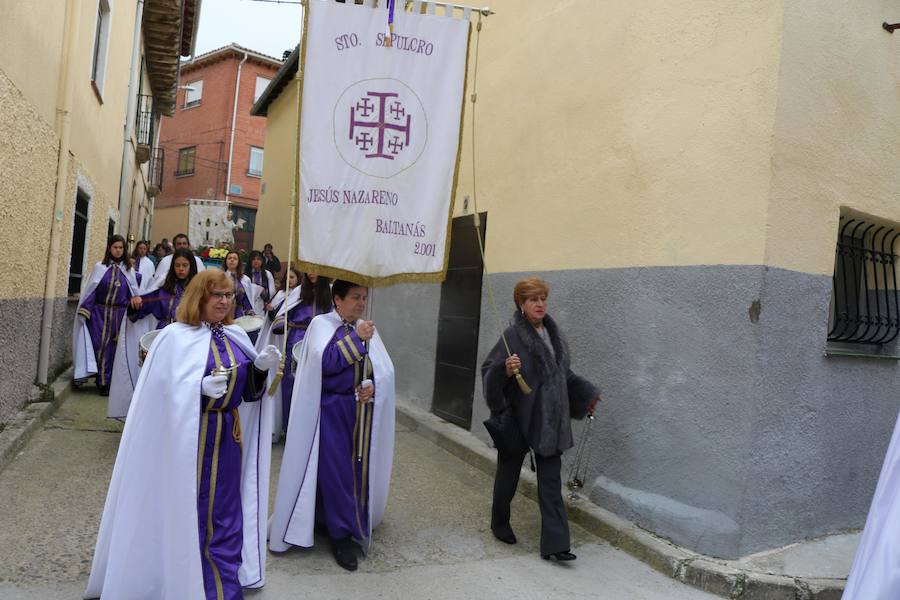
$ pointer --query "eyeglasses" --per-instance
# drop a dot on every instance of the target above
(223, 295)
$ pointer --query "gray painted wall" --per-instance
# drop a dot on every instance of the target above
(725, 435)
(407, 320)
(20, 330)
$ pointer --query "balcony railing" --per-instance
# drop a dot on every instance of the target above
(157, 166)
(144, 127)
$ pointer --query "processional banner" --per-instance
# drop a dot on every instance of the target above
(379, 140)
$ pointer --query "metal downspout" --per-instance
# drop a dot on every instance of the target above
(64, 121)
(125, 173)
(237, 89)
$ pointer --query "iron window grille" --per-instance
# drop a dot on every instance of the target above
(157, 164)
(186, 159)
(864, 306)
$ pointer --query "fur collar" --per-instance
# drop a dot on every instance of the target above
(538, 349)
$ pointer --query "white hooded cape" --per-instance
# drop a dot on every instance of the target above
(125, 368)
(147, 269)
(295, 501)
(255, 292)
(148, 543)
(875, 574)
(265, 338)
(83, 359)
(162, 269)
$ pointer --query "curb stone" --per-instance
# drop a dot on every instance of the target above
(29, 420)
(709, 574)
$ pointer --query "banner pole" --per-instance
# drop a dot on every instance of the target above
(295, 193)
(523, 386)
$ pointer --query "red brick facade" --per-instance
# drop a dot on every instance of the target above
(207, 126)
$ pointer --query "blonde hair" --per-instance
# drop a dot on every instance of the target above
(529, 287)
(198, 293)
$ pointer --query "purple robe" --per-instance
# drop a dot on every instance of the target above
(298, 320)
(103, 310)
(219, 464)
(259, 278)
(242, 304)
(159, 303)
(340, 493)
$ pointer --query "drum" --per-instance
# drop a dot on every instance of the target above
(144, 344)
(250, 323)
(295, 356)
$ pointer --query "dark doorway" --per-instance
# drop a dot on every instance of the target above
(456, 367)
(79, 235)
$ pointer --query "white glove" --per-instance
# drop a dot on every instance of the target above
(214, 386)
(269, 357)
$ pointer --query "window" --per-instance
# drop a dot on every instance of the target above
(256, 162)
(261, 84)
(864, 307)
(79, 237)
(101, 45)
(186, 157)
(193, 92)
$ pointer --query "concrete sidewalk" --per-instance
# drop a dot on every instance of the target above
(813, 570)
(434, 543)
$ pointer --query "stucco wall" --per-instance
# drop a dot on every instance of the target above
(643, 128)
(407, 319)
(272, 219)
(169, 222)
(28, 161)
(837, 129)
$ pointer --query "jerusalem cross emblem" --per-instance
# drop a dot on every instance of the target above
(380, 127)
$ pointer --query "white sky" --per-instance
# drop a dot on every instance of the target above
(266, 27)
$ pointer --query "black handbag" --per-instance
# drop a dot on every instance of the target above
(505, 433)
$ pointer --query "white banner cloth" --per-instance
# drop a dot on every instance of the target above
(378, 142)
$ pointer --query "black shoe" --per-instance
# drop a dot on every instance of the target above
(344, 552)
(507, 537)
(563, 556)
(104, 390)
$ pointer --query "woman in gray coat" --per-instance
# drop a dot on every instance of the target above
(538, 420)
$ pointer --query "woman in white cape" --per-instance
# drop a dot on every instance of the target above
(155, 308)
(161, 535)
(262, 283)
(143, 264)
(277, 307)
(875, 574)
(104, 298)
(305, 462)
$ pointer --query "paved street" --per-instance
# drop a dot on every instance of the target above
(434, 542)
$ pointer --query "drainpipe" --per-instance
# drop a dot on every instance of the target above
(237, 88)
(125, 173)
(64, 127)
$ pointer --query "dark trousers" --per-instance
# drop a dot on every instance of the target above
(554, 521)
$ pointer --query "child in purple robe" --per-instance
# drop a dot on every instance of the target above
(163, 303)
(263, 282)
(232, 266)
(315, 299)
(104, 305)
